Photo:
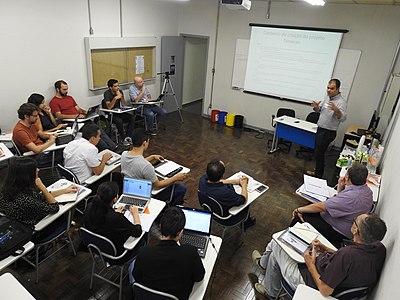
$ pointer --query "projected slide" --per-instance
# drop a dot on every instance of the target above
(291, 63)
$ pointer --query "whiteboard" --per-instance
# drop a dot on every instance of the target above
(345, 67)
(240, 63)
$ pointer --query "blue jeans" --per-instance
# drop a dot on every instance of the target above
(149, 111)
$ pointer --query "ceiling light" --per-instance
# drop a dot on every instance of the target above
(316, 2)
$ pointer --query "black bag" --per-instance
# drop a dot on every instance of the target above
(13, 236)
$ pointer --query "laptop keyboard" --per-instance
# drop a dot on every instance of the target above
(134, 201)
(194, 240)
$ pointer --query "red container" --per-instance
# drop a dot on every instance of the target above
(214, 116)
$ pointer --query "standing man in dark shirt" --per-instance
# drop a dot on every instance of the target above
(358, 264)
(169, 267)
(114, 98)
(212, 185)
(332, 112)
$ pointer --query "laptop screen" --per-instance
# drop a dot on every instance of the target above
(137, 187)
(197, 220)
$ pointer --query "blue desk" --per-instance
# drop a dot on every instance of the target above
(297, 131)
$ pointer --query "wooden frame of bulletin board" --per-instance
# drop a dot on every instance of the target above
(119, 58)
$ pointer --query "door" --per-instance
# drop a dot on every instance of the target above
(172, 62)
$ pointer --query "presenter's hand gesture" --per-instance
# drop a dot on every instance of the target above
(332, 106)
(315, 104)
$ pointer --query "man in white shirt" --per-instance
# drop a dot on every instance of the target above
(81, 155)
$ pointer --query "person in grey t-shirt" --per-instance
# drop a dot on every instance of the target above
(135, 165)
(332, 112)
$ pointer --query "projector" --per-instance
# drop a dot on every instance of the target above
(237, 4)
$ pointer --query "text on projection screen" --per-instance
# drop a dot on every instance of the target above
(291, 63)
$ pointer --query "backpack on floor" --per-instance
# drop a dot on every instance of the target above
(13, 236)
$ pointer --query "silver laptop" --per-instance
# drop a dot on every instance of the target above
(92, 111)
(136, 192)
(197, 229)
(114, 158)
(66, 138)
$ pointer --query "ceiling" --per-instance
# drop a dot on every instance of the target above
(373, 2)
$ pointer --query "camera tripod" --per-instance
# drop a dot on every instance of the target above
(168, 90)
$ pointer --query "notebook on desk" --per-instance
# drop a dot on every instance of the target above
(136, 192)
(197, 229)
(299, 238)
(168, 168)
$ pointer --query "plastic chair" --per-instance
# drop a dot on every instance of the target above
(142, 292)
(224, 219)
(282, 112)
(67, 174)
(312, 117)
(104, 252)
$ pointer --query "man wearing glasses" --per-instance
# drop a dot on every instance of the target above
(357, 264)
(27, 136)
(333, 218)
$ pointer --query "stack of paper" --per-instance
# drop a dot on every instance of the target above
(251, 186)
(315, 188)
(63, 184)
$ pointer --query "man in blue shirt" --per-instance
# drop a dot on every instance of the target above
(212, 185)
(139, 94)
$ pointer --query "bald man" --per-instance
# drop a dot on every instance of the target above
(139, 94)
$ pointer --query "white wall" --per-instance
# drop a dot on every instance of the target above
(388, 209)
(372, 29)
(42, 41)
(194, 69)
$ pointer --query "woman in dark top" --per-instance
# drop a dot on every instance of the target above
(101, 218)
(24, 197)
(47, 121)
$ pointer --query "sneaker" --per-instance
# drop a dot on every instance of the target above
(310, 173)
(256, 258)
(153, 133)
(127, 141)
(249, 222)
(260, 288)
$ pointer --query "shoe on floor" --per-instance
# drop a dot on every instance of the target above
(260, 288)
(310, 173)
(249, 222)
(153, 133)
(256, 258)
(127, 141)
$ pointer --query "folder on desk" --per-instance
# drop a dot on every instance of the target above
(168, 168)
(316, 186)
(298, 238)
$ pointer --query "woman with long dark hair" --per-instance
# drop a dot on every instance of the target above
(47, 121)
(23, 195)
(101, 218)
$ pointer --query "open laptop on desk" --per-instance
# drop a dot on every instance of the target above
(92, 112)
(197, 229)
(136, 192)
(66, 138)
